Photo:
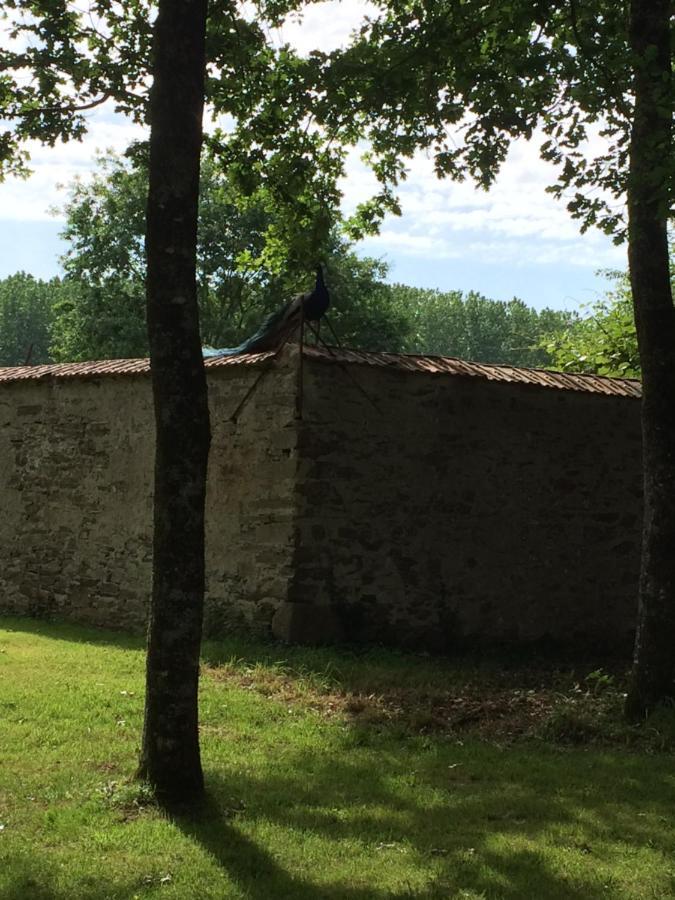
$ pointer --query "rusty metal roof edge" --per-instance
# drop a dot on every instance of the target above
(448, 365)
(112, 367)
(417, 363)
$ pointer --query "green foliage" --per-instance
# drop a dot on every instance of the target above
(78, 57)
(598, 681)
(476, 328)
(98, 310)
(364, 312)
(26, 315)
(458, 78)
(104, 313)
(59, 60)
(603, 342)
(100, 321)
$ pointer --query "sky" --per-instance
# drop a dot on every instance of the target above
(516, 240)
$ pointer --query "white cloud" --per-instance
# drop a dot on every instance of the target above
(484, 249)
(53, 167)
(326, 26)
(516, 222)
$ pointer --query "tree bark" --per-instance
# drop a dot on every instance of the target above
(648, 209)
(170, 758)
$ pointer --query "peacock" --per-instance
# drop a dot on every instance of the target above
(279, 325)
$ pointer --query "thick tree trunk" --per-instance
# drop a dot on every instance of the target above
(170, 757)
(648, 209)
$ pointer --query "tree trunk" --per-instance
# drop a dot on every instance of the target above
(648, 209)
(170, 757)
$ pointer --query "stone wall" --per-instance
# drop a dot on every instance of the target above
(459, 511)
(76, 491)
(250, 510)
(467, 510)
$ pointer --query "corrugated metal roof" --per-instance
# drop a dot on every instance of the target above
(436, 365)
(447, 365)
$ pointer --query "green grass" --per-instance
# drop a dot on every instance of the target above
(330, 775)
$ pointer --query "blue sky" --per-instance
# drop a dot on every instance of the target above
(514, 241)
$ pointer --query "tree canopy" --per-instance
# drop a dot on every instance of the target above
(26, 318)
(281, 120)
(104, 314)
(473, 327)
(62, 60)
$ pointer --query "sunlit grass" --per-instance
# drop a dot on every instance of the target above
(324, 779)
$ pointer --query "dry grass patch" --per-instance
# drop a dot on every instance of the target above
(537, 702)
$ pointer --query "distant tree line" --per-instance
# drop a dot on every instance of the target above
(68, 319)
(97, 309)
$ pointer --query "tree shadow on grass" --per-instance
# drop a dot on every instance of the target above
(261, 877)
(480, 839)
(35, 877)
(23, 886)
(252, 867)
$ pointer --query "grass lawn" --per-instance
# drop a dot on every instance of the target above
(331, 775)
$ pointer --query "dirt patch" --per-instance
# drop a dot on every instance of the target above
(499, 706)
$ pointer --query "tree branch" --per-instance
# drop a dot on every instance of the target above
(69, 108)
